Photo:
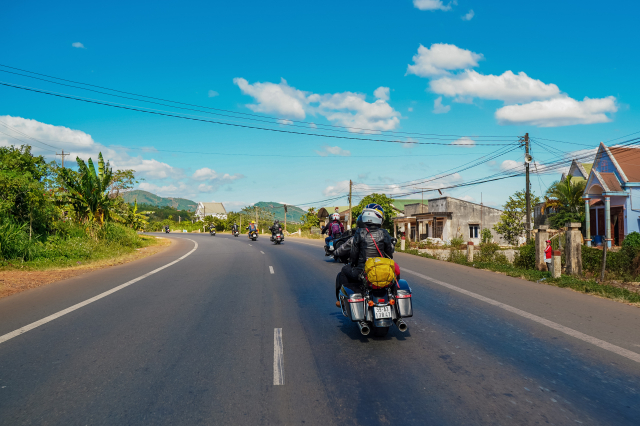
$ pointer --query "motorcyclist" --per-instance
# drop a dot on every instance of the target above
(345, 248)
(275, 228)
(334, 228)
(166, 229)
(234, 228)
(252, 228)
(369, 241)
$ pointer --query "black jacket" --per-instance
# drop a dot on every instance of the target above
(275, 228)
(363, 247)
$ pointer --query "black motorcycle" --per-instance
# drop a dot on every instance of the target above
(253, 235)
(377, 308)
(277, 237)
(166, 230)
(212, 231)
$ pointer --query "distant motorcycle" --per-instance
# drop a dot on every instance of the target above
(166, 230)
(212, 231)
(329, 247)
(253, 235)
(278, 237)
(236, 233)
(375, 308)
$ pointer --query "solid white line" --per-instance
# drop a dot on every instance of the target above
(271, 269)
(633, 356)
(278, 357)
(261, 252)
(45, 320)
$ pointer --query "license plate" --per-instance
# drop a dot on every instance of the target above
(382, 312)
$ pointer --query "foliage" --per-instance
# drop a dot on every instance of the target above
(566, 198)
(513, 218)
(123, 181)
(133, 219)
(486, 252)
(632, 241)
(456, 241)
(386, 204)
(88, 191)
(310, 219)
(525, 258)
(486, 235)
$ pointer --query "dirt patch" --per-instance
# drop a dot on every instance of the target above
(12, 282)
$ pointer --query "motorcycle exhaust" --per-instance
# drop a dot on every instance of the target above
(364, 328)
(402, 326)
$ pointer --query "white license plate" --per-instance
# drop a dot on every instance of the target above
(382, 312)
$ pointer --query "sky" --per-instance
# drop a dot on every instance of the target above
(412, 91)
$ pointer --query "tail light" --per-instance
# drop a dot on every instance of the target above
(355, 300)
(370, 303)
(380, 300)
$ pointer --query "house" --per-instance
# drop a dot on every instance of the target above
(449, 217)
(210, 209)
(324, 213)
(579, 172)
(405, 219)
(612, 195)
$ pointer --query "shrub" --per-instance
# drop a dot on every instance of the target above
(486, 235)
(14, 240)
(456, 242)
(525, 258)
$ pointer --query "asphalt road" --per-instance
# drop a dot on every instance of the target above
(195, 343)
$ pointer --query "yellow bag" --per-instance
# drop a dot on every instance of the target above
(380, 272)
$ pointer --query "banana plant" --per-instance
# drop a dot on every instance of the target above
(135, 220)
(87, 191)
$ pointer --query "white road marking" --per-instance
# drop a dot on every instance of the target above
(250, 245)
(45, 320)
(633, 356)
(300, 242)
(261, 252)
(271, 269)
(278, 357)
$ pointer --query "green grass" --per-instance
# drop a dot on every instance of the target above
(565, 281)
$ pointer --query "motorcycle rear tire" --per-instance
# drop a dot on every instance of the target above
(380, 331)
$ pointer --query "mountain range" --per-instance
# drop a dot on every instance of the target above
(293, 213)
(144, 197)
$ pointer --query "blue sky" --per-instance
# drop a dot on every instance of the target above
(355, 64)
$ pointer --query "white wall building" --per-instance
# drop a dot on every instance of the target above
(210, 209)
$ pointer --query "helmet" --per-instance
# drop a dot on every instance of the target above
(253, 221)
(359, 222)
(335, 216)
(375, 206)
(372, 216)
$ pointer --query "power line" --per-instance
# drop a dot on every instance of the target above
(184, 117)
(224, 110)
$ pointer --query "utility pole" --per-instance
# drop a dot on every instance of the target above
(62, 155)
(257, 222)
(528, 191)
(285, 218)
(350, 215)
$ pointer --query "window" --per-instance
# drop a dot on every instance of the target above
(474, 231)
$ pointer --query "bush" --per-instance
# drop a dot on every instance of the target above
(14, 240)
(456, 242)
(487, 251)
(525, 258)
(632, 241)
(486, 235)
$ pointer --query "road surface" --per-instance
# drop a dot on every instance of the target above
(236, 332)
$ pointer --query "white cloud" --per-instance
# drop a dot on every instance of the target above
(213, 93)
(441, 58)
(438, 108)
(381, 93)
(313, 125)
(508, 87)
(337, 189)
(347, 108)
(285, 122)
(78, 45)
(469, 15)
(409, 144)
(275, 98)
(204, 173)
(562, 111)
(410, 109)
(512, 165)
(333, 150)
(431, 5)
(467, 198)
(464, 142)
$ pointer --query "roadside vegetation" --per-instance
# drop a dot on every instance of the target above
(52, 216)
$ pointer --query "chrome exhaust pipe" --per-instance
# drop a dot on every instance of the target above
(402, 326)
(364, 328)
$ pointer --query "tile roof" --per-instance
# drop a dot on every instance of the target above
(629, 161)
(611, 181)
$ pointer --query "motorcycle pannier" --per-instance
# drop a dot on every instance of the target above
(380, 272)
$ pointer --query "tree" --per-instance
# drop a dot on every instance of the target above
(87, 191)
(310, 219)
(386, 204)
(566, 198)
(513, 218)
(133, 219)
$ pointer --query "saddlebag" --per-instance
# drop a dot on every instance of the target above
(403, 296)
(352, 304)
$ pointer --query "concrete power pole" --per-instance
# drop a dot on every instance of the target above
(285, 218)
(350, 215)
(62, 155)
(528, 191)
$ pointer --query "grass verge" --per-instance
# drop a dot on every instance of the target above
(565, 281)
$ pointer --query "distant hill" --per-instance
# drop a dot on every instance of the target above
(145, 197)
(293, 213)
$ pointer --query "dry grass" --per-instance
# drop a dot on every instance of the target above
(16, 281)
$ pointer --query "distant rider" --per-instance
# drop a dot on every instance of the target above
(275, 228)
(334, 228)
(252, 228)
(234, 228)
(363, 247)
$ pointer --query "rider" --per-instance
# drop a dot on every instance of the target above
(275, 228)
(345, 248)
(366, 243)
(252, 227)
(234, 228)
(334, 228)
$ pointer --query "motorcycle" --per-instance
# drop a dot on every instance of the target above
(278, 237)
(253, 235)
(329, 247)
(166, 230)
(236, 233)
(376, 309)
(212, 232)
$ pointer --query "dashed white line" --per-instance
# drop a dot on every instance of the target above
(278, 357)
(271, 269)
(45, 320)
(633, 356)
(261, 252)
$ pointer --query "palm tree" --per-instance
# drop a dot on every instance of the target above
(566, 198)
(87, 191)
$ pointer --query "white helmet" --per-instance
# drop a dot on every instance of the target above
(335, 216)
(372, 216)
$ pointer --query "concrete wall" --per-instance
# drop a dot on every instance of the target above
(466, 213)
(412, 209)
